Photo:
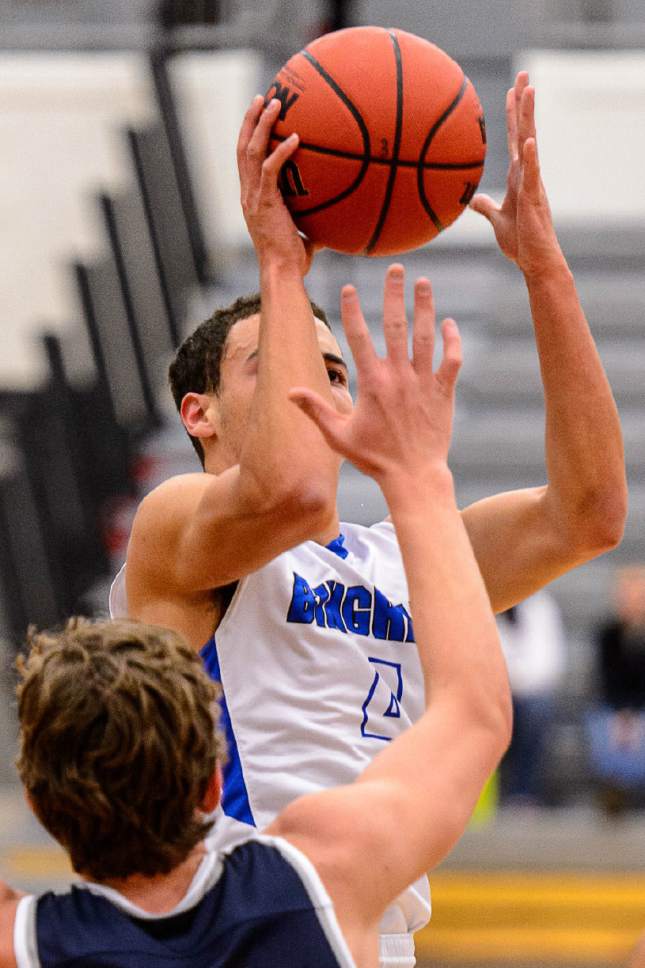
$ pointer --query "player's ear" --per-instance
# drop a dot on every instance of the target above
(213, 793)
(199, 415)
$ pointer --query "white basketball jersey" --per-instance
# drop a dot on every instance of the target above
(319, 669)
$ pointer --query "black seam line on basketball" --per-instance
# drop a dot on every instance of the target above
(433, 130)
(402, 162)
(365, 160)
(396, 147)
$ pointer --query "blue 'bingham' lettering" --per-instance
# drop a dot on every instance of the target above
(355, 609)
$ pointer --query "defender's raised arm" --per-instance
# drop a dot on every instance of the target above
(407, 809)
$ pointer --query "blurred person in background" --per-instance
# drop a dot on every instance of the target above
(616, 726)
(534, 645)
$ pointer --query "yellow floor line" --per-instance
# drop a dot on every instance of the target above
(500, 888)
(550, 918)
(546, 946)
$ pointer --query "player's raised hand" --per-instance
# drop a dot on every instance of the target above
(402, 421)
(522, 223)
(270, 225)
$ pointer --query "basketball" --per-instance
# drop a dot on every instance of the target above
(392, 140)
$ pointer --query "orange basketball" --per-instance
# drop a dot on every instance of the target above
(392, 140)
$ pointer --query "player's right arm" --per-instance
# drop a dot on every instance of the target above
(372, 839)
(201, 531)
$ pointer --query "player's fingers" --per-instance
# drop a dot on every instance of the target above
(519, 87)
(395, 326)
(521, 81)
(356, 331)
(527, 116)
(452, 355)
(248, 126)
(325, 417)
(423, 332)
(485, 205)
(531, 169)
(256, 149)
(511, 124)
(273, 163)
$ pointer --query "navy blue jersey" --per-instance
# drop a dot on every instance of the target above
(260, 906)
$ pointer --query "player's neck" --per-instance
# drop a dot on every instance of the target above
(163, 892)
(216, 460)
(329, 531)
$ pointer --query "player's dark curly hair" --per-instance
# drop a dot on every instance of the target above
(118, 744)
(196, 366)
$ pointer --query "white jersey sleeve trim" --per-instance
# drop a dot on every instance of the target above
(320, 899)
(24, 933)
(118, 599)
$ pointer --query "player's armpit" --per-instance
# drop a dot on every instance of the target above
(196, 532)
(522, 542)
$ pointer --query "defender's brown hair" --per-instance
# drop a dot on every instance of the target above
(117, 744)
(196, 366)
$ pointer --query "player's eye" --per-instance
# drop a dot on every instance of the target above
(337, 376)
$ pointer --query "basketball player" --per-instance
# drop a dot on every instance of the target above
(305, 622)
(119, 754)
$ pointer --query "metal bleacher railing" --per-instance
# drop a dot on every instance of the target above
(98, 177)
(115, 296)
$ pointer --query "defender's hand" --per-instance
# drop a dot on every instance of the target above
(522, 223)
(403, 418)
(270, 225)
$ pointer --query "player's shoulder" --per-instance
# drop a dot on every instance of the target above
(173, 493)
(336, 834)
(331, 828)
(166, 508)
(159, 521)
(381, 533)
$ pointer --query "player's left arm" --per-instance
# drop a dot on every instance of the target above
(524, 539)
(8, 904)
